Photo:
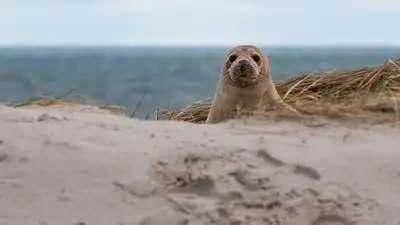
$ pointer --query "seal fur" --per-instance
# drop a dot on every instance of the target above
(244, 83)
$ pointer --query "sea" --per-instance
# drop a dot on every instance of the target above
(164, 77)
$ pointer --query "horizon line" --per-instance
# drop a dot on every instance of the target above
(188, 46)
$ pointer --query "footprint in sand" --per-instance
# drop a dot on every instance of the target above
(330, 220)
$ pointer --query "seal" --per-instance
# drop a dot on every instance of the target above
(244, 83)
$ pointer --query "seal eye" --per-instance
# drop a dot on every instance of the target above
(232, 58)
(256, 58)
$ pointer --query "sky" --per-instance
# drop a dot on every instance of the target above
(200, 22)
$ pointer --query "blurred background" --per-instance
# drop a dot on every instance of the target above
(115, 50)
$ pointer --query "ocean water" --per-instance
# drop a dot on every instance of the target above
(171, 77)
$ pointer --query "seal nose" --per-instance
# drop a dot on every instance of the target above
(242, 64)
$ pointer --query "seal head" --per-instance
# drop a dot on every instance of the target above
(244, 65)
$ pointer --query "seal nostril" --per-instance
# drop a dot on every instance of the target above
(242, 67)
(242, 62)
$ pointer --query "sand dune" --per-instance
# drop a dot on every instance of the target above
(75, 166)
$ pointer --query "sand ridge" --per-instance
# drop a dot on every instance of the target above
(65, 165)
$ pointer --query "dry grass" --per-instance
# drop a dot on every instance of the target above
(46, 100)
(369, 93)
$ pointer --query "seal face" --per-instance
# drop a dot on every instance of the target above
(242, 83)
(243, 65)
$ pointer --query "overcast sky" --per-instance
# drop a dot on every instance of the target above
(199, 22)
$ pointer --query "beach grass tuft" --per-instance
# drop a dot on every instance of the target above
(48, 100)
(367, 93)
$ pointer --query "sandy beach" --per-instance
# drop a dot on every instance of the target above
(76, 165)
